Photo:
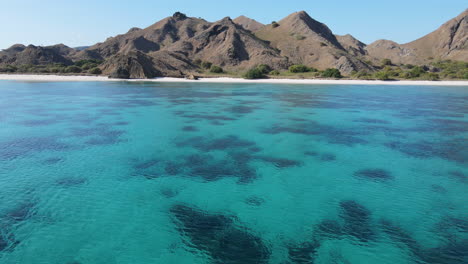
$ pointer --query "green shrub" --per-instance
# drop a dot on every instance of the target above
(216, 69)
(451, 69)
(299, 68)
(254, 73)
(432, 76)
(361, 75)
(416, 72)
(8, 68)
(465, 76)
(206, 65)
(88, 66)
(386, 62)
(80, 63)
(323, 44)
(300, 37)
(382, 75)
(275, 72)
(73, 69)
(264, 68)
(95, 70)
(332, 73)
(274, 24)
(56, 70)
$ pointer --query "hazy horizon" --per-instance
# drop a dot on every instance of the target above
(52, 22)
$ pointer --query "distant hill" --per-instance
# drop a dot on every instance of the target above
(177, 46)
(81, 48)
(450, 41)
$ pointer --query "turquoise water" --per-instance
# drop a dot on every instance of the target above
(227, 173)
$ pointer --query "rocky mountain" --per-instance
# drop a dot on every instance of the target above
(170, 47)
(450, 41)
(248, 23)
(176, 45)
(20, 55)
(304, 40)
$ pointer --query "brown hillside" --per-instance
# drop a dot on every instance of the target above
(450, 41)
(306, 41)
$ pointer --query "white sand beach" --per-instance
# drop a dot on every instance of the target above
(63, 78)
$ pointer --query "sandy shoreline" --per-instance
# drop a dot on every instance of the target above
(62, 78)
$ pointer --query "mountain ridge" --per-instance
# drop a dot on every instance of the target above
(175, 46)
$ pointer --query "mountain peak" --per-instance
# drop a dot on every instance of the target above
(303, 24)
(248, 23)
(179, 16)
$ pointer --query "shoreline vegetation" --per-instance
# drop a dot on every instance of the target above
(436, 71)
(221, 79)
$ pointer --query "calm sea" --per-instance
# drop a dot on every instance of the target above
(107, 173)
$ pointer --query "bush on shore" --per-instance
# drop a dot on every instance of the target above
(265, 69)
(73, 69)
(216, 69)
(254, 73)
(95, 71)
(206, 64)
(275, 72)
(259, 72)
(332, 73)
(299, 68)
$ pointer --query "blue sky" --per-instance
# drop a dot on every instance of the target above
(85, 22)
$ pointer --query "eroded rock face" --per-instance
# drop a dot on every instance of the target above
(347, 64)
(131, 66)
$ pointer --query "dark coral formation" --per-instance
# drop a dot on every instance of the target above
(219, 236)
(332, 134)
(71, 181)
(21, 147)
(303, 253)
(10, 219)
(357, 220)
(374, 174)
(453, 150)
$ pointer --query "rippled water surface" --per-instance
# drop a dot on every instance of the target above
(222, 173)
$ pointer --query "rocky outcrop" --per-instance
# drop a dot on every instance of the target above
(347, 65)
(133, 65)
(352, 45)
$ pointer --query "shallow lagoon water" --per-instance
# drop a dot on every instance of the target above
(232, 173)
